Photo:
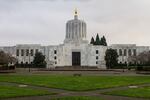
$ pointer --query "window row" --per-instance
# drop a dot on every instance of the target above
(131, 52)
(97, 52)
(129, 63)
(25, 52)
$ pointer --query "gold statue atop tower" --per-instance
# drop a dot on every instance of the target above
(75, 12)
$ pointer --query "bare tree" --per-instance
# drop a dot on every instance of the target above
(143, 58)
(132, 59)
(5, 58)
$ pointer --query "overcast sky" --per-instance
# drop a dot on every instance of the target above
(43, 21)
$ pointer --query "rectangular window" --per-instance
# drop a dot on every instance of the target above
(55, 57)
(96, 51)
(31, 52)
(134, 52)
(17, 52)
(55, 52)
(27, 52)
(125, 52)
(129, 52)
(55, 62)
(96, 57)
(96, 62)
(120, 52)
(22, 52)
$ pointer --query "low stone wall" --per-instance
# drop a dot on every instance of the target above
(143, 72)
(7, 71)
(7, 67)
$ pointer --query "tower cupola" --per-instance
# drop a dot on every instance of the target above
(75, 29)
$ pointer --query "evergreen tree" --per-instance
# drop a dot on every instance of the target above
(92, 41)
(39, 60)
(97, 41)
(111, 58)
(103, 41)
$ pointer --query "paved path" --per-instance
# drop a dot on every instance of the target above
(61, 93)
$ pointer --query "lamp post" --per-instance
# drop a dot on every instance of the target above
(29, 62)
(123, 59)
(127, 56)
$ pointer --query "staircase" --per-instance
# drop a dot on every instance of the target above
(76, 68)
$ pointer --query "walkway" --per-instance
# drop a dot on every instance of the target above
(61, 93)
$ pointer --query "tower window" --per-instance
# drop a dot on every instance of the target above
(55, 52)
(55, 57)
(96, 62)
(97, 52)
(55, 62)
(96, 57)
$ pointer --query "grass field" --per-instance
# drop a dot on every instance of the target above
(78, 98)
(11, 91)
(143, 92)
(76, 83)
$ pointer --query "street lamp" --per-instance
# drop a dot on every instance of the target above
(127, 56)
(29, 54)
(123, 59)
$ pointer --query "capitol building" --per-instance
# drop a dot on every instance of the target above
(75, 51)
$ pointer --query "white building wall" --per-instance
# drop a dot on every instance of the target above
(92, 61)
(125, 59)
(64, 53)
(24, 58)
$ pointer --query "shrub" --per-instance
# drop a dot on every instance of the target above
(143, 68)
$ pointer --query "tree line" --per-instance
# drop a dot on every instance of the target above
(99, 41)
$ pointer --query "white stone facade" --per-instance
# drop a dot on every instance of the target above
(125, 51)
(76, 51)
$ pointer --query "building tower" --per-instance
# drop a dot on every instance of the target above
(75, 30)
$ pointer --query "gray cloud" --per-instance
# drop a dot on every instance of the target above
(43, 21)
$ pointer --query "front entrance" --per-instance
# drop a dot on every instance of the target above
(76, 58)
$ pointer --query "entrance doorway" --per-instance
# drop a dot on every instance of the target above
(76, 58)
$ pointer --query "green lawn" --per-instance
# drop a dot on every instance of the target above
(78, 98)
(11, 91)
(76, 83)
(136, 92)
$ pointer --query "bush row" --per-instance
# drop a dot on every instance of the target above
(143, 68)
(7, 67)
(30, 65)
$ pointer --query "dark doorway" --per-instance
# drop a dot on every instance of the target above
(76, 58)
